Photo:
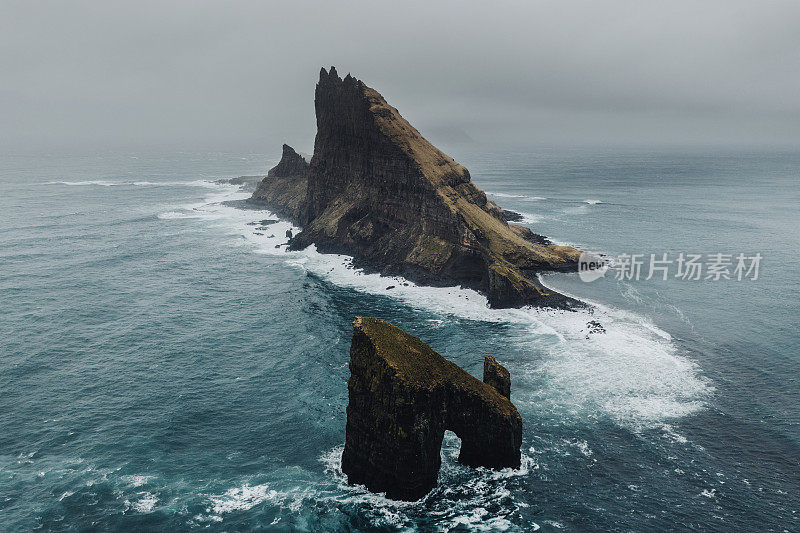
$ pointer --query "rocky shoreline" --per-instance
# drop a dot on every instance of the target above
(376, 190)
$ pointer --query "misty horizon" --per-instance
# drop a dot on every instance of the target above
(241, 76)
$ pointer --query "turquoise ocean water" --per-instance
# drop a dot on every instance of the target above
(164, 366)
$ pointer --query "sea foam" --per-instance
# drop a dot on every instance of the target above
(208, 184)
(633, 373)
(518, 196)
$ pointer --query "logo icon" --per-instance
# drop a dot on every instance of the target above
(591, 266)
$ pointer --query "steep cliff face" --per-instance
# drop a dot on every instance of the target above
(497, 376)
(285, 187)
(403, 396)
(377, 190)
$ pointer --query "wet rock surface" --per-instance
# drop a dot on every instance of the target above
(246, 182)
(265, 222)
(593, 326)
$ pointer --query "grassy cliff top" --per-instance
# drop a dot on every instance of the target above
(452, 183)
(418, 364)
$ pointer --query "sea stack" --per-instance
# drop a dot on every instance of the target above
(402, 398)
(376, 190)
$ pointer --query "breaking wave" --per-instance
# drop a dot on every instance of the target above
(633, 373)
(518, 196)
(103, 183)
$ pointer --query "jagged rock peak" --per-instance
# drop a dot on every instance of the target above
(329, 76)
(291, 164)
(402, 398)
(364, 107)
(284, 188)
(378, 191)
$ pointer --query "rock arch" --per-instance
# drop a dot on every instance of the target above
(402, 398)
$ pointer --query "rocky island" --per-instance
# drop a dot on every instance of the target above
(376, 190)
(402, 398)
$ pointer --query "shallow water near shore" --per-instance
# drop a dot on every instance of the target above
(166, 363)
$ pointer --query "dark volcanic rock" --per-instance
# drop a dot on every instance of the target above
(403, 396)
(283, 191)
(593, 326)
(511, 216)
(291, 164)
(497, 376)
(378, 191)
(245, 181)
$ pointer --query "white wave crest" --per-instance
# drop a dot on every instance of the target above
(145, 504)
(505, 195)
(138, 481)
(460, 499)
(633, 373)
(208, 184)
(241, 498)
(519, 196)
(530, 218)
(99, 183)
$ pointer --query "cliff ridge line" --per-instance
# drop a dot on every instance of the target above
(377, 190)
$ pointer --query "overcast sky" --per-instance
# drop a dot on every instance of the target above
(241, 75)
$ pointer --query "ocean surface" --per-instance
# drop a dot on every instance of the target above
(167, 365)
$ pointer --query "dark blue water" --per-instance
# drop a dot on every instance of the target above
(162, 366)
